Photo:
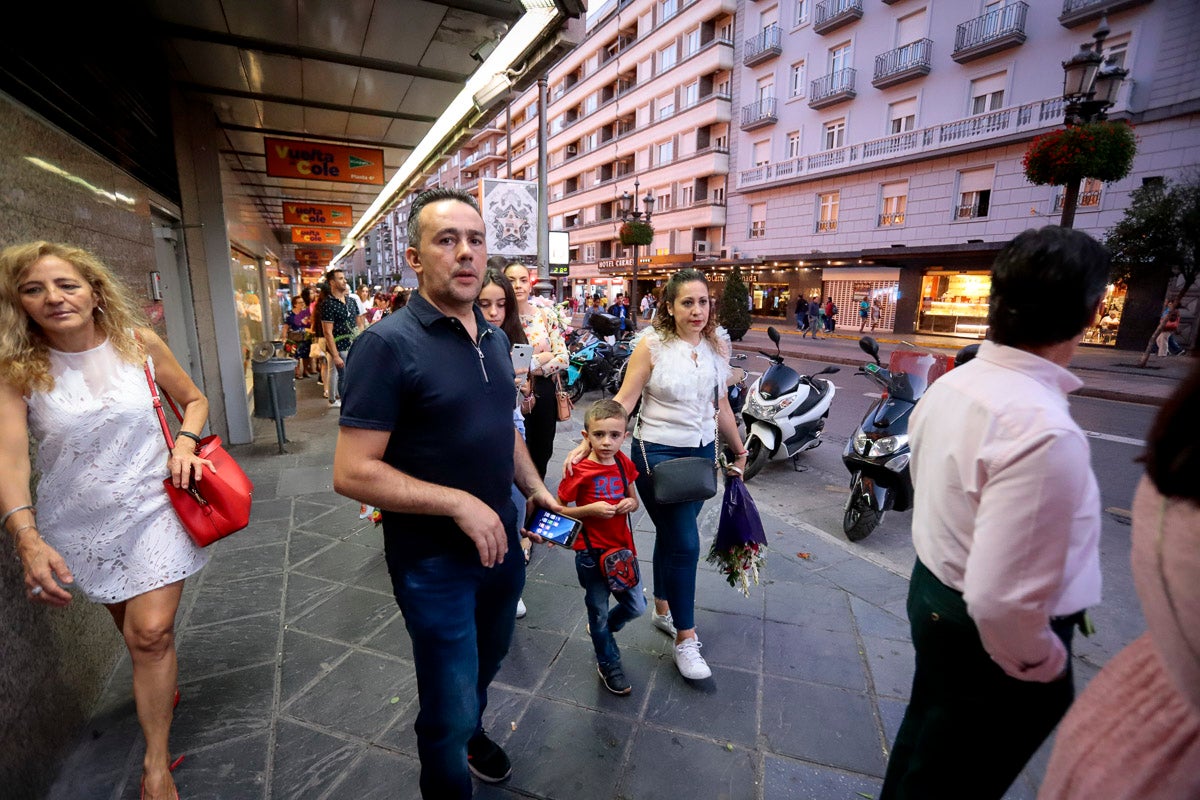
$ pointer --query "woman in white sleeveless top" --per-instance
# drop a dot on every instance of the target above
(676, 367)
(71, 376)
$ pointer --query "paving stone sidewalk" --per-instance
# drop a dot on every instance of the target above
(297, 679)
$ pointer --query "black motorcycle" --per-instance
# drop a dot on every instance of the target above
(878, 453)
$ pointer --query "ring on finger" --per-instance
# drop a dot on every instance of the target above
(35, 591)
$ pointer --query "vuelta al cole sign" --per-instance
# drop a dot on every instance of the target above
(316, 236)
(317, 214)
(287, 158)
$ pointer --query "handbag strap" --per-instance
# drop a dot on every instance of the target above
(158, 409)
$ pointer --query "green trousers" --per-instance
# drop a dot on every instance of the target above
(969, 728)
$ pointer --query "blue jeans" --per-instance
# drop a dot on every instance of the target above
(676, 534)
(603, 621)
(460, 616)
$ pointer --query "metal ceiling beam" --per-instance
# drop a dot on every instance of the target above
(221, 91)
(488, 8)
(229, 126)
(317, 54)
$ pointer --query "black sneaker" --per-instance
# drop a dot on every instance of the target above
(613, 678)
(486, 760)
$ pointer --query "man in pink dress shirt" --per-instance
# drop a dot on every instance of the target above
(1006, 526)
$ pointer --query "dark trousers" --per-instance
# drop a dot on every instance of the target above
(603, 620)
(969, 728)
(676, 533)
(541, 422)
(460, 616)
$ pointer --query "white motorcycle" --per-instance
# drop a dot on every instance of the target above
(785, 413)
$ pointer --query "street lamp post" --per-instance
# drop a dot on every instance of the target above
(631, 213)
(1090, 85)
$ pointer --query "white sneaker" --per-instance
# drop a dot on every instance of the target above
(521, 609)
(336, 404)
(664, 623)
(689, 661)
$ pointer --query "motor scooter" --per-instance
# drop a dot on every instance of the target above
(785, 411)
(877, 455)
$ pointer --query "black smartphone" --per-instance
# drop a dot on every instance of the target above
(554, 527)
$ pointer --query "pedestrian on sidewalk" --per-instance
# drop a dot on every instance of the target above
(1135, 730)
(876, 312)
(802, 315)
(440, 395)
(816, 317)
(340, 322)
(73, 361)
(679, 369)
(831, 311)
(864, 311)
(601, 489)
(550, 358)
(1006, 566)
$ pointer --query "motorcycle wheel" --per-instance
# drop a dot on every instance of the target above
(757, 459)
(859, 520)
(575, 390)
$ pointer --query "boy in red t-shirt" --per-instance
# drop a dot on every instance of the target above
(602, 490)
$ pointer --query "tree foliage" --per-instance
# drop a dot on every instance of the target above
(735, 305)
(1160, 230)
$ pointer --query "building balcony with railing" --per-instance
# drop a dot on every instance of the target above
(832, 88)
(921, 143)
(1077, 12)
(903, 64)
(766, 45)
(760, 113)
(833, 14)
(990, 33)
(891, 220)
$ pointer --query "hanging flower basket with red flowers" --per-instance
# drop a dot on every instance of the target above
(636, 232)
(1100, 150)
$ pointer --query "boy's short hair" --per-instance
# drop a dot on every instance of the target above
(604, 409)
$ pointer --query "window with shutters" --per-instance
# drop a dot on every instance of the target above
(974, 192)
(827, 211)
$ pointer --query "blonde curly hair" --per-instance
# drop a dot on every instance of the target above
(24, 350)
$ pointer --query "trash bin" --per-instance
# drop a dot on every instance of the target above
(281, 372)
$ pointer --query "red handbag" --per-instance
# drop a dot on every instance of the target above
(220, 503)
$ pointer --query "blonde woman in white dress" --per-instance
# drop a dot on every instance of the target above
(71, 375)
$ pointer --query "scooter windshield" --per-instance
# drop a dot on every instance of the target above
(778, 380)
(912, 371)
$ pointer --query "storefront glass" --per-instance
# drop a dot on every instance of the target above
(1103, 329)
(955, 303)
(244, 270)
(769, 299)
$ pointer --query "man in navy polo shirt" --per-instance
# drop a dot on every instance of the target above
(427, 435)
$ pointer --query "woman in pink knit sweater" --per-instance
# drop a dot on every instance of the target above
(1134, 733)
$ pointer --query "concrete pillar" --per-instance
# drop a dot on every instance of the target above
(206, 243)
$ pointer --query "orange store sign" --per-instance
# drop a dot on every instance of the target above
(287, 158)
(317, 214)
(309, 255)
(316, 236)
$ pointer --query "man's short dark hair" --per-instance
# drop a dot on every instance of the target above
(433, 196)
(1046, 284)
(331, 274)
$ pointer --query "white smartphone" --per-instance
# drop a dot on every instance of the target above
(522, 356)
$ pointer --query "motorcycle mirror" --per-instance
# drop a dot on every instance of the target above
(966, 354)
(773, 335)
(870, 347)
(829, 370)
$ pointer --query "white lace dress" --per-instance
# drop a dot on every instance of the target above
(102, 460)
